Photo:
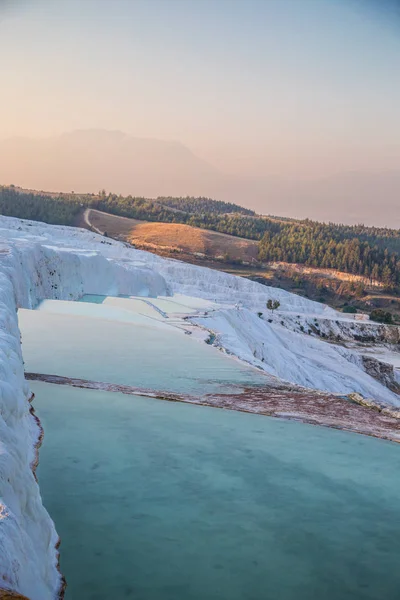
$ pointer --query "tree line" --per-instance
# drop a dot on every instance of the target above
(368, 251)
(335, 247)
(36, 207)
(203, 205)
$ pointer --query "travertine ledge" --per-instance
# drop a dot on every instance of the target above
(282, 401)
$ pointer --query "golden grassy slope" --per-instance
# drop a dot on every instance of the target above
(175, 238)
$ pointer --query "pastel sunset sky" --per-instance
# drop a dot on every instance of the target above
(257, 87)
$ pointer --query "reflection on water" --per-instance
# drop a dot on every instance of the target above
(108, 343)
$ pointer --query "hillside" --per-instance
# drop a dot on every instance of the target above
(241, 257)
(200, 212)
(172, 238)
(370, 252)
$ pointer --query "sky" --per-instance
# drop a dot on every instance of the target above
(293, 88)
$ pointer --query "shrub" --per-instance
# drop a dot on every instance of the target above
(273, 305)
(349, 309)
(381, 316)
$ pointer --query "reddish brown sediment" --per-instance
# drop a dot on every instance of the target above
(315, 408)
(39, 441)
(34, 466)
(282, 401)
(112, 387)
(9, 595)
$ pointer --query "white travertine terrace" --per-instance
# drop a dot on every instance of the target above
(40, 261)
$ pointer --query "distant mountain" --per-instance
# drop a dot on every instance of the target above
(90, 160)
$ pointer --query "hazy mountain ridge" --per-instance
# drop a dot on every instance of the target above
(88, 160)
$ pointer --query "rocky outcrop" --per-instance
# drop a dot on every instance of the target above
(339, 329)
(382, 372)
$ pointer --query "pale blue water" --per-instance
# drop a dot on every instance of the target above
(108, 344)
(93, 298)
(164, 501)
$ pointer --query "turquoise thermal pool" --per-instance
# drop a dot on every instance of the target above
(162, 501)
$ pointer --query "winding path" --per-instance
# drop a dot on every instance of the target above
(86, 218)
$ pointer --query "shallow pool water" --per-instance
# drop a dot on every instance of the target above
(108, 343)
(178, 303)
(163, 501)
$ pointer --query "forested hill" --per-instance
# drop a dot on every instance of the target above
(204, 205)
(197, 212)
(39, 207)
(368, 251)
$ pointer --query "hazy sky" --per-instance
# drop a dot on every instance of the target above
(255, 87)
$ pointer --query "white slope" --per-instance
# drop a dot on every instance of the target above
(294, 357)
(39, 261)
(28, 561)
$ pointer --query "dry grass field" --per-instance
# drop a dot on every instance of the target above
(174, 238)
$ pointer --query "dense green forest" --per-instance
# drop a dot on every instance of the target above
(369, 251)
(204, 205)
(35, 207)
(358, 250)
